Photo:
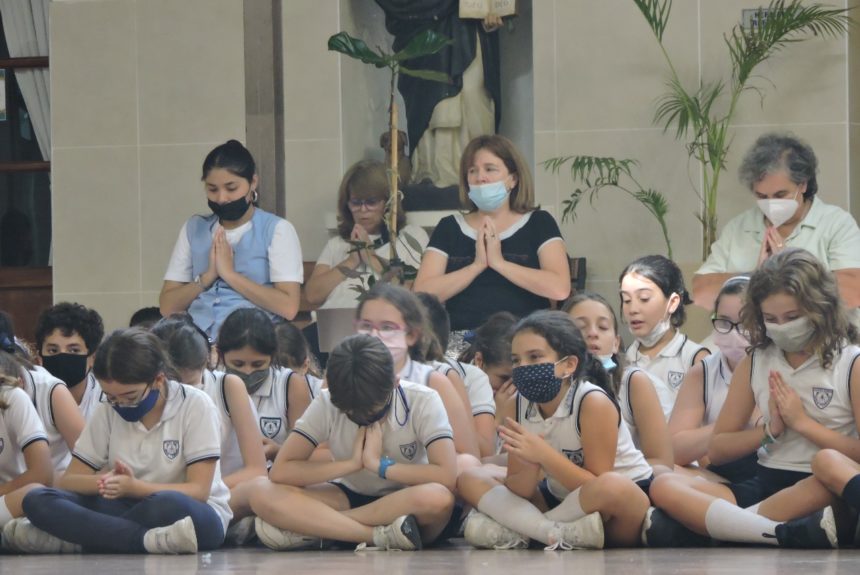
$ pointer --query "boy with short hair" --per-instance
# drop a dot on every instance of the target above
(394, 466)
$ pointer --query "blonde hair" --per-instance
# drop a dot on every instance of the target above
(798, 273)
(522, 198)
(10, 375)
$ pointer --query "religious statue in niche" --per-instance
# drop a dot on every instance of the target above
(442, 118)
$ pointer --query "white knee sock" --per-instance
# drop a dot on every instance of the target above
(516, 513)
(727, 522)
(5, 515)
(570, 509)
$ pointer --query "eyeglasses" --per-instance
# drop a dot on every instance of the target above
(383, 329)
(133, 403)
(722, 325)
(369, 203)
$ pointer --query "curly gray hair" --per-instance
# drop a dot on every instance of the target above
(777, 152)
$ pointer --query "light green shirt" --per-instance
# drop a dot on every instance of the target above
(828, 232)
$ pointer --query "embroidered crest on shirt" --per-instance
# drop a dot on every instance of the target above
(821, 396)
(409, 449)
(575, 456)
(676, 378)
(270, 426)
(170, 448)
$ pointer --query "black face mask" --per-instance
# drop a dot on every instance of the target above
(70, 367)
(231, 211)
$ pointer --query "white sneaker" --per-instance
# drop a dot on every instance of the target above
(484, 532)
(584, 533)
(174, 539)
(22, 536)
(241, 532)
(283, 540)
(401, 534)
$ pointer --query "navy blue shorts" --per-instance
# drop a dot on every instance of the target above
(355, 498)
(738, 470)
(766, 482)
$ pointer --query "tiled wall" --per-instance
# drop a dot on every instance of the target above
(854, 113)
(141, 91)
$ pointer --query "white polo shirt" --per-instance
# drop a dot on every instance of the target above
(717, 376)
(828, 232)
(668, 367)
(625, 403)
(563, 432)
(271, 402)
(19, 427)
(92, 396)
(415, 419)
(476, 382)
(186, 434)
(39, 384)
(824, 393)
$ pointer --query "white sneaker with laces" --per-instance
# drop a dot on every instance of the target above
(241, 532)
(178, 538)
(402, 534)
(284, 540)
(584, 533)
(22, 536)
(484, 532)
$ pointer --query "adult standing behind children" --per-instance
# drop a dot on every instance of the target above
(238, 256)
(780, 171)
(504, 253)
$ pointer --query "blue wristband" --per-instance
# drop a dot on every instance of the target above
(384, 463)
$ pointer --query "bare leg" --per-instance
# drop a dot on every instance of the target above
(687, 498)
(430, 503)
(622, 505)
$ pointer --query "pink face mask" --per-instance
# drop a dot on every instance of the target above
(732, 345)
(396, 344)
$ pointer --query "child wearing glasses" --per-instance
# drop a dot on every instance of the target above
(393, 471)
(145, 474)
(397, 318)
(706, 385)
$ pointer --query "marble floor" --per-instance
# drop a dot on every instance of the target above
(452, 560)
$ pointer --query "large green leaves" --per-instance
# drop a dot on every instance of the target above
(422, 44)
(356, 48)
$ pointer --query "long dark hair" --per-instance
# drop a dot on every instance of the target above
(667, 276)
(130, 356)
(616, 376)
(248, 326)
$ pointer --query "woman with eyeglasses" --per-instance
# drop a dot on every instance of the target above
(145, 474)
(237, 256)
(706, 385)
(361, 245)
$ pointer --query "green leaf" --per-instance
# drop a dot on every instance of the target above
(371, 281)
(356, 48)
(422, 44)
(656, 13)
(432, 75)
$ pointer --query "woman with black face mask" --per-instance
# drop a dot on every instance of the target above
(237, 256)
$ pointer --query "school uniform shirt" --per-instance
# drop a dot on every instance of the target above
(477, 384)
(92, 396)
(337, 250)
(315, 384)
(39, 385)
(271, 402)
(416, 372)
(625, 403)
(668, 367)
(20, 426)
(231, 454)
(490, 291)
(186, 434)
(562, 431)
(715, 385)
(824, 393)
(415, 420)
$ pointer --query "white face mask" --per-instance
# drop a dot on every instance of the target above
(778, 211)
(658, 331)
(791, 336)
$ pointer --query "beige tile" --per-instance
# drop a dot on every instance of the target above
(191, 71)
(610, 69)
(617, 229)
(93, 69)
(809, 77)
(854, 170)
(854, 70)
(149, 298)
(170, 192)
(115, 308)
(312, 179)
(311, 73)
(545, 68)
(95, 220)
(547, 184)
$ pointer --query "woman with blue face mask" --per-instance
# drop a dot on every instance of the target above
(574, 479)
(145, 474)
(503, 254)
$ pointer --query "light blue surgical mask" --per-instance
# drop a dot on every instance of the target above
(489, 197)
(607, 361)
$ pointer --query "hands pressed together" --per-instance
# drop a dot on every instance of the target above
(367, 448)
(220, 259)
(785, 406)
(118, 483)
(488, 247)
